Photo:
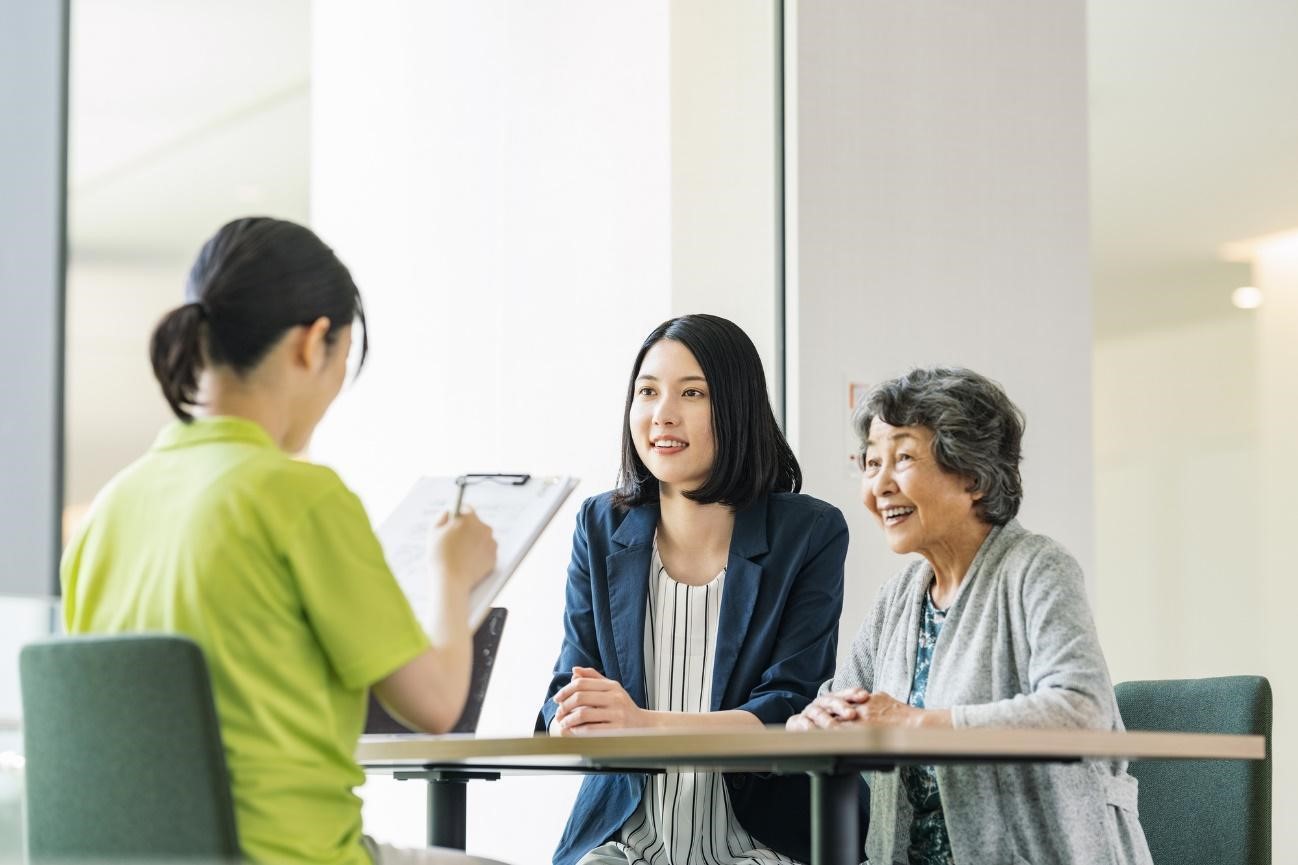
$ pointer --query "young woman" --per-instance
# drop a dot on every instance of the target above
(268, 562)
(703, 592)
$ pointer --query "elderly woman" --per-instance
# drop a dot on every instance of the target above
(990, 628)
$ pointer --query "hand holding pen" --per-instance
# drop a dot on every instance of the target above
(460, 484)
(461, 549)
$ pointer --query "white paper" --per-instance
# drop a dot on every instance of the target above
(517, 514)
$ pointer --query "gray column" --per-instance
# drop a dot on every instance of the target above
(938, 214)
(33, 147)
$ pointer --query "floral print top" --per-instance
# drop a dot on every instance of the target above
(929, 844)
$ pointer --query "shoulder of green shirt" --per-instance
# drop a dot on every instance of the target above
(300, 488)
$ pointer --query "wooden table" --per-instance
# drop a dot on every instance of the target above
(833, 758)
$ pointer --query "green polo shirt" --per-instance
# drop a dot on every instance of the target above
(270, 564)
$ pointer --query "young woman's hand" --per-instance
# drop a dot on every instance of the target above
(829, 710)
(462, 550)
(590, 703)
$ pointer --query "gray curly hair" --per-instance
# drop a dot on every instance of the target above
(977, 430)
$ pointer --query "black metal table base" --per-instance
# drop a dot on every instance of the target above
(835, 830)
(447, 814)
(835, 812)
(447, 803)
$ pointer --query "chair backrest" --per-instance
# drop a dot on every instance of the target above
(1203, 811)
(124, 753)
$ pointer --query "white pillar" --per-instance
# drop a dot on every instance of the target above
(497, 176)
(939, 188)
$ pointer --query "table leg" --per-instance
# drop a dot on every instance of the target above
(835, 831)
(447, 796)
(447, 812)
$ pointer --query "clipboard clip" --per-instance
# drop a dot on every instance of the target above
(513, 480)
(516, 480)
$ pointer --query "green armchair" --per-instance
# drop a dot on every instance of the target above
(124, 753)
(1214, 812)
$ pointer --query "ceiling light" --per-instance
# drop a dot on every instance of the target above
(1246, 297)
(1247, 251)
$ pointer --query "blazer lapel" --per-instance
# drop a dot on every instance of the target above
(743, 580)
(628, 592)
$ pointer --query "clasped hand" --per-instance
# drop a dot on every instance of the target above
(854, 707)
(591, 703)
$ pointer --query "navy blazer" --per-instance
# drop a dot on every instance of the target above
(776, 642)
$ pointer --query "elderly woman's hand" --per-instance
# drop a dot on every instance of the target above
(884, 709)
(855, 707)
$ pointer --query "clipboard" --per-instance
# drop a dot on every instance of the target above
(517, 513)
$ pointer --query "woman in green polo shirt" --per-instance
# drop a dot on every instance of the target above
(269, 562)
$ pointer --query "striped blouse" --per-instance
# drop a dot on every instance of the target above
(683, 817)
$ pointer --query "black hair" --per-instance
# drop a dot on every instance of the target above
(977, 430)
(752, 456)
(254, 279)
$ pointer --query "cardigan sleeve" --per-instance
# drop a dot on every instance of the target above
(858, 670)
(1068, 681)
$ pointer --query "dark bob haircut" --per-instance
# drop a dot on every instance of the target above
(977, 431)
(254, 279)
(752, 456)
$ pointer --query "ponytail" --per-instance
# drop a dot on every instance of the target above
(252, 281)
(176, 350)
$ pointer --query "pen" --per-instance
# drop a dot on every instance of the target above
(459, 496)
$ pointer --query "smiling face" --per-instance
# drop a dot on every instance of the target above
(671, 418)
(922, 507)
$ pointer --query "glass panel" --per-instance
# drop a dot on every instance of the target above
(182, 116)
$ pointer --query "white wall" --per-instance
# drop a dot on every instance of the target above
(938, 214)
(1178, 512)
(1194, 487)
(497, 175)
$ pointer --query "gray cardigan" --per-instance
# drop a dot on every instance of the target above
(1018, 649)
